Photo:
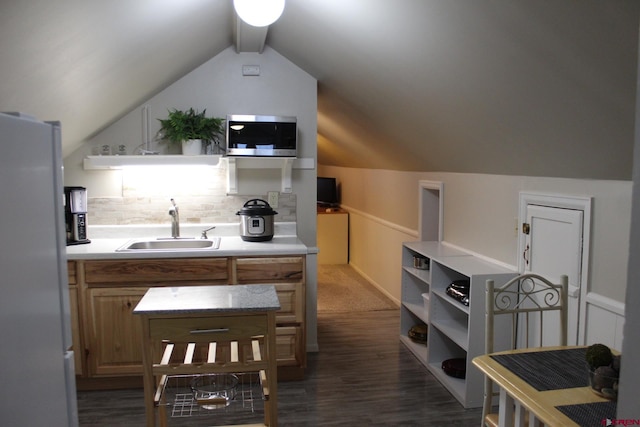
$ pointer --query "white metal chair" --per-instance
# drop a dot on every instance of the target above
(526, 301)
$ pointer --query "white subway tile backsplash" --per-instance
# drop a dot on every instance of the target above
(199, 192)
(193, 209)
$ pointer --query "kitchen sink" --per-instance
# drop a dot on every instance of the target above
(170, 244)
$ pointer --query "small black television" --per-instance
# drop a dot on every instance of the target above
(327, 192)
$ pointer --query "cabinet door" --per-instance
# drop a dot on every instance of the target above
(269, 270)
(290, 346)
(115, 333)
(76, 342)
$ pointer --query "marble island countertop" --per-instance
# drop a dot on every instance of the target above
(208, 299)
(105, 240)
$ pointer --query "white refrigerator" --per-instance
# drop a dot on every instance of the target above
(37, 379)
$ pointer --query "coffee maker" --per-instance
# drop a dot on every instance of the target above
(75, 215)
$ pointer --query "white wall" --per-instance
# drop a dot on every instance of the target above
(219, 86)
(480, 213)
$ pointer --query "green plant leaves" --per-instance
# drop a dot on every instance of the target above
(184, 125)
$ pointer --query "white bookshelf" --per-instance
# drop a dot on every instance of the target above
(454, 330)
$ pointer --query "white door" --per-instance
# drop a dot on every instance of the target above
(553, 247)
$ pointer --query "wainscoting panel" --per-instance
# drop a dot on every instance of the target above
(376, 250)
(605, 321)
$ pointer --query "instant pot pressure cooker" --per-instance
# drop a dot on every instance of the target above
(256, 221)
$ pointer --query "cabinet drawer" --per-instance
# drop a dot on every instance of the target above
(269, 270)
(149, 271)
(212, 328)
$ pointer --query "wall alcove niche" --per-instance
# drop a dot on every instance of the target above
(430, 211)
(415, 283)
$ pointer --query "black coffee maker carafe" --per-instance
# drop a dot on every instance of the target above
(75, 215)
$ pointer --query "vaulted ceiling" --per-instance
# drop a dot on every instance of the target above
(521, 87)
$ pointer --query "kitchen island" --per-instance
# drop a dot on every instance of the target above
(233, 325)
(105, 286)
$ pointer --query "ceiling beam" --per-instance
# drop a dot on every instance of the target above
(248, 38)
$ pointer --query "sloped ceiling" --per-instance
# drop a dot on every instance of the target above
(517, 87)
(86, 63)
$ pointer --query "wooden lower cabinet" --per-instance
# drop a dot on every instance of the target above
(290, 333)
(287, 274)
(105, 292)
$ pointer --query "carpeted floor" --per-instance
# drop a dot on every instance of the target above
(341, 289)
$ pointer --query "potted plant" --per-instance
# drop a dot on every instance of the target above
(604, 370)
(191, 129)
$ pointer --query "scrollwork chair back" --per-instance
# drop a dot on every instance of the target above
(527, 300)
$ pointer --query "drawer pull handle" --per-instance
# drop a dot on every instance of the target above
(208, 331)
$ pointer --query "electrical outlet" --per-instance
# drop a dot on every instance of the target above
(250, 70)
(272, 199)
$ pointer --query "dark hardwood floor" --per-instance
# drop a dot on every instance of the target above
(361, 376)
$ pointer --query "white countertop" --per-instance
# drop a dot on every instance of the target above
(106, 239)
(208, 299)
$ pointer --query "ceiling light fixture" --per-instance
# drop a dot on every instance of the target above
(259, 13)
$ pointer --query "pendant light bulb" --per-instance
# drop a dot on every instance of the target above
(259, 13)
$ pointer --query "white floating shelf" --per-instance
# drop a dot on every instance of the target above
(285, 164)
(118, 162)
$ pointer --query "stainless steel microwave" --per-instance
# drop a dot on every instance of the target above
(261, 136)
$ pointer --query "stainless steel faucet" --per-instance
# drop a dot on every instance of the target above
(175, 220)
(204, 232)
